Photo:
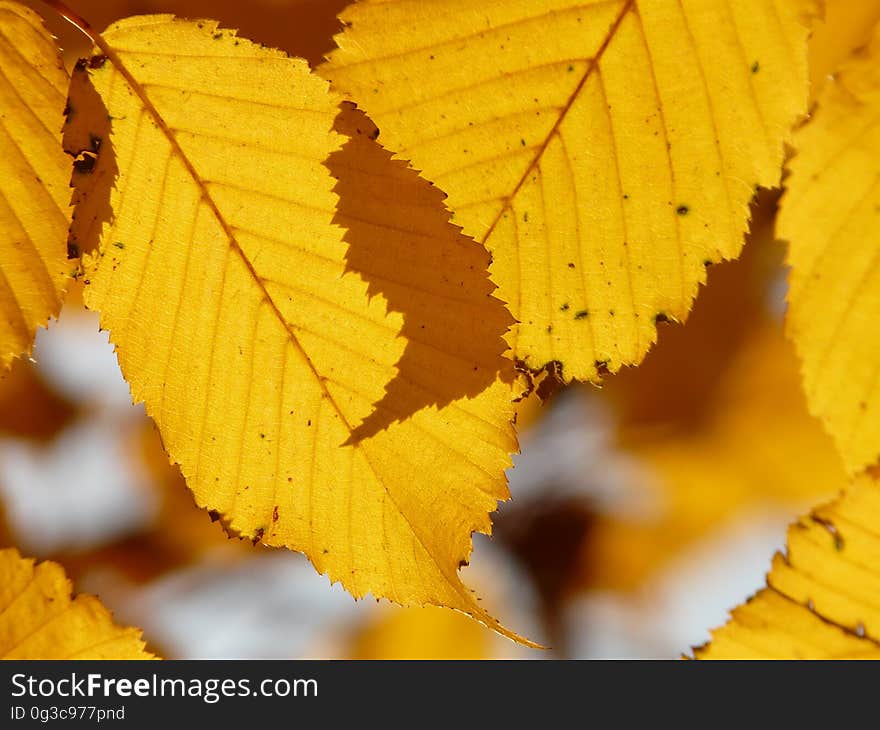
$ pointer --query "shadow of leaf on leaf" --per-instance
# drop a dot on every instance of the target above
(402, 243)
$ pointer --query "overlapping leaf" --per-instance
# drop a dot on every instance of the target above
(34, 176)
(231, 297)
(821, 600)
(40, 620)
(830, 215)
(604, 151)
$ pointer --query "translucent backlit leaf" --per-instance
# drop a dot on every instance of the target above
(40, 620)
(604, 151)
(845, 25)
(426, 633)
(821, 595)
(227, 281)
(830, 215)
(34, 176)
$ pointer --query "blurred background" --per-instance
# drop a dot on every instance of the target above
(641, 513)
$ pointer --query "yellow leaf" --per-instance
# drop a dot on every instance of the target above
(821, 595)
(603, 151)
(830, 215)
(421, 633)
(34, 171)
(226, 279)
(844, 26)
(40, 620)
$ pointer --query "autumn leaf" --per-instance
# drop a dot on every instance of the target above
(821, 595)
(40, 620)
(760, 447)
(227, 283)
(426, 633)
(830, 215)
(845, 25)
(603, 151)
(34, 170)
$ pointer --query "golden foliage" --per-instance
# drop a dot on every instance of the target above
(426, 633)
(845, 25)
(259, 340)
(830, 215)
(603, 151)
(821, 595)
(759, 447)
(40, 620)
(34, 172)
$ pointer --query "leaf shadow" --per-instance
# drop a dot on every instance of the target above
(402, 242)
(86, 139)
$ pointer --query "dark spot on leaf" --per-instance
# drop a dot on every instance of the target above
(97, 61)
(583, 314)
(275, 514)
(660, 317)
(564, 307)
(85, 164)
(214, 515)
(682, 210)
(756, 67)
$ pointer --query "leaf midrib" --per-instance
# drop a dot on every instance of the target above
(592, 66)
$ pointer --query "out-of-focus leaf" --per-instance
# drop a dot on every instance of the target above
(40, 620)
(422, 633)
(29, 407)
(225, 279)
(761, 447)
(844, 26)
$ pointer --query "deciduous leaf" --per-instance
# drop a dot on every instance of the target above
(845, 25)
(603, 151)
(759, 447)
(821, 595)
(40, 620)
(228, 293)
(34, 175)
(426, 633)
(830, 215)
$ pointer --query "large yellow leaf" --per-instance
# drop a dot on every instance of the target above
(40, 620)
(822, 599)
(603, 151)
(230, 295)
(34, 176)
(830, 215)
